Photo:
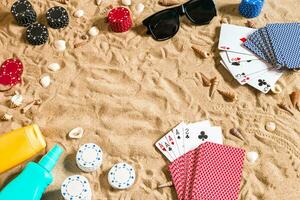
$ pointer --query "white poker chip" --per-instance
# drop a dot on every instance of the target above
(121, 176)
(76, 188)
(89, 157)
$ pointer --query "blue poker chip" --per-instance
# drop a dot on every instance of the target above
(89, 157)
(76, 188)
(121, 176)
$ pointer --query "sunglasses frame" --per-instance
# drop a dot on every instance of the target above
(180, 10)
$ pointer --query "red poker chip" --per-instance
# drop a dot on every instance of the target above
(10, 72)
(119, 19)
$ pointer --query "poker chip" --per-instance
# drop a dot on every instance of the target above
(250, 8)
(89, 157)
(37, 34)
(119, 19)
(57, 17)
(76, 188)
(10, 72)
(23, 12)
(121, 176)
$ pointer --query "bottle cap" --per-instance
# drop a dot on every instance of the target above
(49, 160)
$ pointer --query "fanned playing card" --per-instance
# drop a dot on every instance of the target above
(218, 171)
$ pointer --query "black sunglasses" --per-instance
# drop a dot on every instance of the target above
(165, 24)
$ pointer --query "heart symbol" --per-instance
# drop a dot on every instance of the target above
(11, 71)
(243, 39)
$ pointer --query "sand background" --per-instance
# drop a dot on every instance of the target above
(127, 90)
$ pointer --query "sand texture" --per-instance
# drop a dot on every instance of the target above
(127, 90)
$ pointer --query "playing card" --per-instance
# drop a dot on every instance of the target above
(188, 143)
(179, 138)
(238, 57)
(244, 71)
(218, 171)
(165, 148)
(173, 143)
(232, 38)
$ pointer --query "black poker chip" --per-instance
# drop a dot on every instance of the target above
(57, 17)
(23, 12)
(37, 34)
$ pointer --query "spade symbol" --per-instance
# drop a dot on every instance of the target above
(236, 63)
(178, 137)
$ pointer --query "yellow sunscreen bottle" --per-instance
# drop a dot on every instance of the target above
(19, 145)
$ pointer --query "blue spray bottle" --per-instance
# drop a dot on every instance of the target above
(34, 179)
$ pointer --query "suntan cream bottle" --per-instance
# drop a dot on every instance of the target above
(34, 179)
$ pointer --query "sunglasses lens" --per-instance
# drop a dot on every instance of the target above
(201, 12)
(164, 25)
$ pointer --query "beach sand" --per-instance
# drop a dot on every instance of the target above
(127, 90)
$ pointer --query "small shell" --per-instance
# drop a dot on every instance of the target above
(78, 13)
(76, 133)
(60, 45)
(224, 21)
(252, 156)
(200, 52)
(250, 24)
(167, 184)
(205, 81)
(285, 107)
(168, 2)
(16, 100)
(93, 31)
(54, 67)
(45, 81)
(270, 126)
(237, 133)
(7, 117)
(276, 89)
(295, 99)
(26, 122)
(139, 8)
(98, 2)
(126, 2)
(214, 84)
(228, 96)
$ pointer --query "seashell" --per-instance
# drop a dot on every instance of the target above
(93, 31)
(76, 133)
(295, 99)
(252, 156)
(98, 2)
(250, 24)
(29, 105)
(270, 126)
(54, 67)
(167, 184)
(26, 122)
(169, 2)
(285, 107)
(139, 8)
(237, 133)
(126, 2)
(228, 96)
(6, 117)
(200, 52)
(16, 100)
(63, 1)
(276, 89)
(214, 84)
(45, 81)
(224, 21)
(205, 81)
(78, 13)
(60, 45)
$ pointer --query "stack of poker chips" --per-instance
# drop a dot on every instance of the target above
(251, 8)
(37, 34)
(119, 19)
(76, 187)
(57, 17)
(23, 12)
(121, 176)
(89, 157)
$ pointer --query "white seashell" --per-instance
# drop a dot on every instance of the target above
(252, 156)
(78, 13)
(276, 89)
(6, 117)
(93, 31)
(98, 2)
(54, 67)
(16, 100)
(126, 2)
(60, 45)
(76, 133)
(270, 126)
(139, 8)
(45, 81)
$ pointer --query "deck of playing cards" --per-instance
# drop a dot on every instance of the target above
(245, 66)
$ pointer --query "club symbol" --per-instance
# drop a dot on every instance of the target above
(202, 136)
(187, 136)
(261, 82)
